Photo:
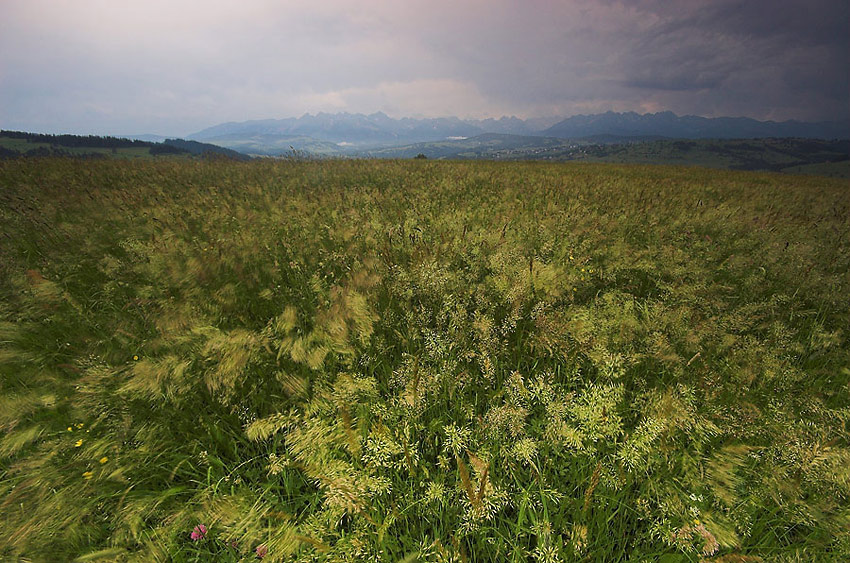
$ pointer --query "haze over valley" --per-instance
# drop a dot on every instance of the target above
(358, 134)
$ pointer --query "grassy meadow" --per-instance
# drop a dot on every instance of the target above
(422, 361)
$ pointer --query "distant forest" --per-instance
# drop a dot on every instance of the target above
(76, 141)
(13, 144)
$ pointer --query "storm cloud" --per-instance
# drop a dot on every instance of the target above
(104, 67)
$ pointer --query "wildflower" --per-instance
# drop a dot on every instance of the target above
(456, 438)
(135, 357)
(546, 554)
(88, 475)
(79, 425)
(261, 551)
(686, 535)
(199, 533)
(579, 538)
(103, 460)
(70, 429)
(525, 450)
(436, 492)
(78, 443)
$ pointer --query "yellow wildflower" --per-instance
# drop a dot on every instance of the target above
(70, 429)
(88, 475)
(78, 444)
(103, 460)
(135, 357)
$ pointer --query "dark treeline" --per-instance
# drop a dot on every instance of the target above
(200, 149)
(88, 141)
(165, 148)
(60, 145)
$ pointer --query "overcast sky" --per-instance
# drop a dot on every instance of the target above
(173, 67)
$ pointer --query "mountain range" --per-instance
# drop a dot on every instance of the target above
(346, 133)
(377, 129)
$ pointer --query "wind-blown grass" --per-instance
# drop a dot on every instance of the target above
(372, 360)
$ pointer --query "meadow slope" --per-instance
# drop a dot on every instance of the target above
(427, 361)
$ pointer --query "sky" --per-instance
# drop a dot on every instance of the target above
(173, 67)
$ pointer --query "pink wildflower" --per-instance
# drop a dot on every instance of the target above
(199, 533)
(262, 551)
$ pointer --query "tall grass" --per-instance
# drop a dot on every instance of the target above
(386, 360)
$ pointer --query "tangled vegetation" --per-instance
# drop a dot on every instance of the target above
(422, 361)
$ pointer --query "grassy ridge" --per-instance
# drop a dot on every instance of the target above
(432, 361)
(795, 156)
(18, 144)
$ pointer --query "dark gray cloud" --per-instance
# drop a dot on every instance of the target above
(175, 67)
(790, 56)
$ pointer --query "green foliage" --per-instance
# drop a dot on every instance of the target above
(789, 155)
(387, 360)
(16, 144)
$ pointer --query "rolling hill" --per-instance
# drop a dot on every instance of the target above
(16, 144)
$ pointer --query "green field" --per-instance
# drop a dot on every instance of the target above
(422, 361)
(830, 169)
(793, 156)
